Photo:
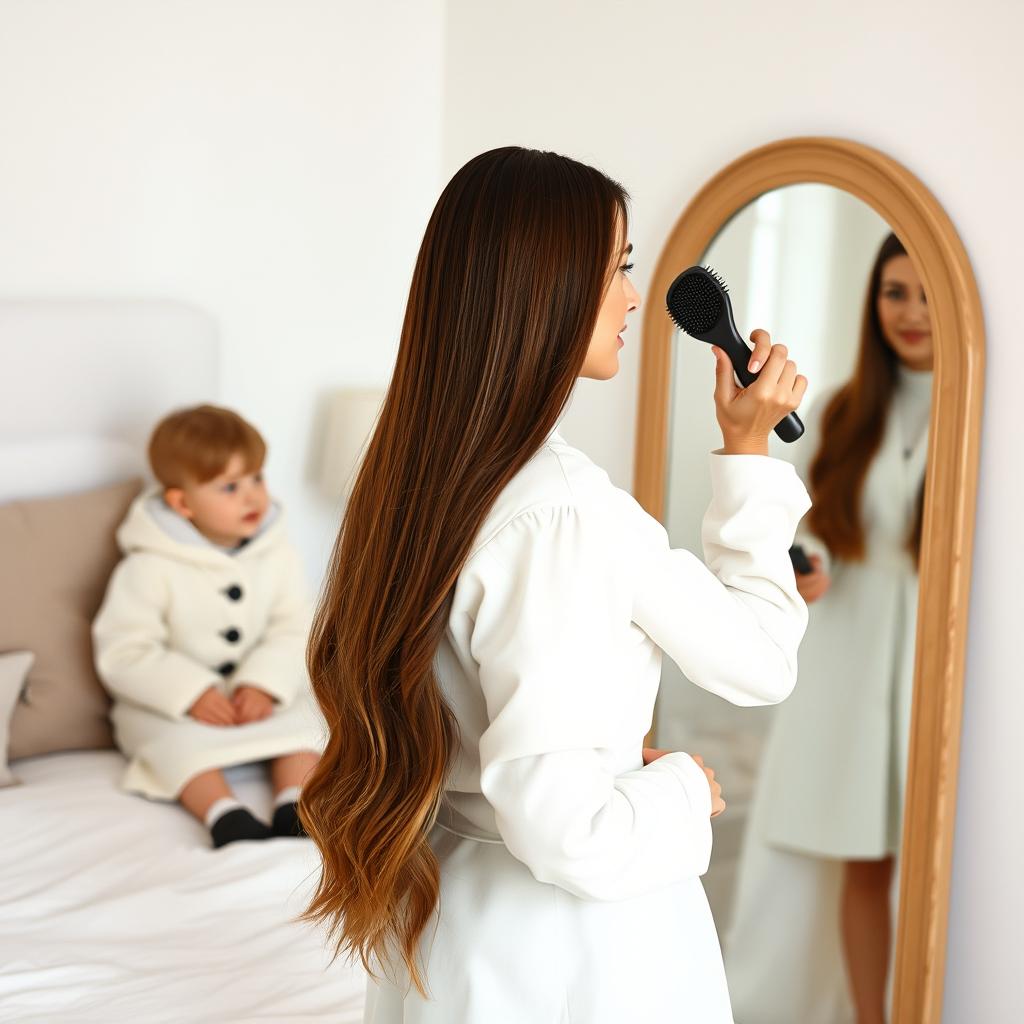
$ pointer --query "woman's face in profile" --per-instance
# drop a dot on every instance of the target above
(903, 313)
(602, 361)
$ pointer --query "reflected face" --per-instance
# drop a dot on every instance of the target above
(602, 361)
(903, 313)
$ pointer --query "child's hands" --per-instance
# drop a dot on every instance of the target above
(251, 704)
(213, 708)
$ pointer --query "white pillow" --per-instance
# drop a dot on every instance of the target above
(14, 669)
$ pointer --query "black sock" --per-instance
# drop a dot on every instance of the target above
(286, 820)
(238, 823)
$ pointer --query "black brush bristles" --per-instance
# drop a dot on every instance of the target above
(696, 300)
(698, 303)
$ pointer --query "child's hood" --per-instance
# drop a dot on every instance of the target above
(152, 525)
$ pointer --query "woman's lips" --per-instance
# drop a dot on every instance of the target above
(913, 336)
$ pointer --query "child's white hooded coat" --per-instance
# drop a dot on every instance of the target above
(180, 615)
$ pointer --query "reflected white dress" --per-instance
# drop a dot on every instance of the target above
(570, 872)
(831, 783)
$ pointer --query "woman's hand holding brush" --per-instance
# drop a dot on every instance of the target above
(748, 415)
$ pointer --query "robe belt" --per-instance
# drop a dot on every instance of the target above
(466, 835)
(467, 830)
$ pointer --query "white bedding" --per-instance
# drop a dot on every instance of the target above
(115, 908)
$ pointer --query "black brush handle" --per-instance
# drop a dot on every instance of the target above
(727, 338)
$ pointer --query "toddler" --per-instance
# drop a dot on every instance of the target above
(202, 632)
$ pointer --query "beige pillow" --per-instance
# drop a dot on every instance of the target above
(13, 670)
(57, 555)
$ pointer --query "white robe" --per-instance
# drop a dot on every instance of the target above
(831, 783)
(181, 614)
(570, 872)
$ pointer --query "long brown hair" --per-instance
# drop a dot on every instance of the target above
(505, 295)
(852, 426)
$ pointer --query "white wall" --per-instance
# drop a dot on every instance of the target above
(661, 95)
(274, 163)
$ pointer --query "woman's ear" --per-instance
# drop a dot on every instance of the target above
(175, 498)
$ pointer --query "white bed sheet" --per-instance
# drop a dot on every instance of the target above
(115, 908)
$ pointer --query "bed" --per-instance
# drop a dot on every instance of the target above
(115, 908)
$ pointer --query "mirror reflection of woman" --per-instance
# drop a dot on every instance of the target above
(824, 833)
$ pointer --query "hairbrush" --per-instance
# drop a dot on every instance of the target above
(698, 302)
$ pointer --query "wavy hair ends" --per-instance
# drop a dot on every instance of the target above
(515, 260)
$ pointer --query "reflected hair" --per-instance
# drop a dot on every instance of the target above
(516, 258)
(852, 426)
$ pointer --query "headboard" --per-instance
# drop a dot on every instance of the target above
(83, 381)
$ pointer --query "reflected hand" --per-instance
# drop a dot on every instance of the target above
(812, 585)
(717, 803)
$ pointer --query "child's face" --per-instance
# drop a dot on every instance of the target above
(226, 509)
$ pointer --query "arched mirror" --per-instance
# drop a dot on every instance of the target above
(830, 876)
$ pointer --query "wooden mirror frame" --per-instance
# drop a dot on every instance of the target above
(947, 538)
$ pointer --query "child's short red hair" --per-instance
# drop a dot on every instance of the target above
(194, 445)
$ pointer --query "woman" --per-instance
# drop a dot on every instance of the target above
(497, 846)
(825, 829)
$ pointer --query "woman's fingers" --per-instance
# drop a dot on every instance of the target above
(717, 803)
(774, 365)
(762, 346)
(780, 373)
(725, 384)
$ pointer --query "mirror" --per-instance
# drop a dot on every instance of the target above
(814, 786)
(830, 873)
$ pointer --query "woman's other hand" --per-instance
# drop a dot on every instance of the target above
(813, 585)
(251, 704)
(748, 415)
(717, 803)
(213, 708)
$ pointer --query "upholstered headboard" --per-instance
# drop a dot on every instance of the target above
(83, 381)
(81, 385)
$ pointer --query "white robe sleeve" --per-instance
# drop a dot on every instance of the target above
(732, 626)
(803, 453)
(277, 664)
(556, 595)
(130, 648)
